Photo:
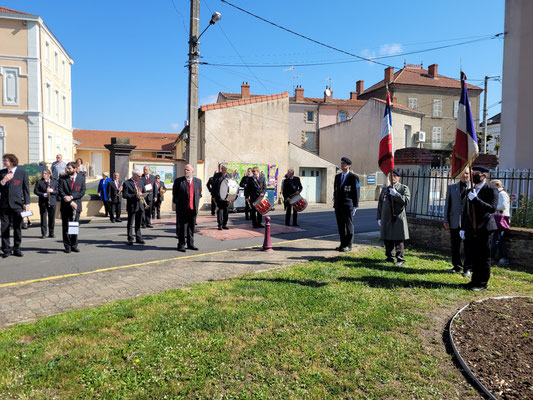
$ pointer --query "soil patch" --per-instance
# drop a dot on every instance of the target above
(495, 339)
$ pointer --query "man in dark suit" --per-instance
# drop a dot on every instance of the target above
(148, 179)
(186, 194)
(159, 190)
(291, 186)
(453, 210)
(209, 186)
(114, 191)
(345, 202)
(477, 226)
(133, 190)
(46, 190)
(254, 189)
(70, 189)
(242, 184)
(222, 204)
(14, 199)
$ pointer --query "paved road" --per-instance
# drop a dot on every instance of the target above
(103, 244)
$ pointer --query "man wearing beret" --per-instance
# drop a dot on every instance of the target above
(477, 226)
(345, 202)
(392, 218)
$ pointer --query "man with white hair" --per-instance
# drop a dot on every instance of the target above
(132, 191)
(222, 204)
(186, 194)
(59, 167)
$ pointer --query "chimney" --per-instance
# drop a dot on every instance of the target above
(393, 98)
(359, 87)
(326, 97)
(353, 96)
(245, 90)
(432, 69)
(389, 74)
(299, 94)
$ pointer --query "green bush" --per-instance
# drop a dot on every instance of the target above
(523, 214)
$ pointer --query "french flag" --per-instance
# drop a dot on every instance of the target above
(386, 152)
(466, 148)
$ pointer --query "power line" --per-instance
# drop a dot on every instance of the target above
(181, 15)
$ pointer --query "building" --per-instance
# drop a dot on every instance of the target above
(517, 118)
(434, 95)
(35, 112)
(151, 149)
(493, 134)
(358, 137)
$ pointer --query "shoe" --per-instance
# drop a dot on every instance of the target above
(260, 226)
(343, 249)
(159, 217)
(143, 226)
(225, 227)
(67, 250)
(467, 273)
(113, 221)
(43, 236)
(192, 248)
(287, 224)
(181, 248)
(219, 228)
(130, 242)
(6, 254)
(212, 213)
(140, 241)
(338, 248)
(149, 226)
(75, 250)
(51, 235)
(454, 270)
(295, 225)
(24, 226)
(118, 220)
(478, 288)
(400, 263)
(389, 259)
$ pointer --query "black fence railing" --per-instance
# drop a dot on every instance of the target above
(428, 193)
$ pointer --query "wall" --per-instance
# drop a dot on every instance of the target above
(298, 123)
(358, 138)
(517, 118)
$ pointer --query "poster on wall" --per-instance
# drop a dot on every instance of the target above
(269, 171)
(166, 172)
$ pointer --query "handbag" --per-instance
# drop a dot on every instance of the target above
(503, 222)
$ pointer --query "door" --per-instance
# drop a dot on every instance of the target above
(312, 183)
(96, 161)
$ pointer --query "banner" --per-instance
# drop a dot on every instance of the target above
(166, 172)
(269, 171)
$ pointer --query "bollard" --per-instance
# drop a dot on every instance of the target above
(267, 244)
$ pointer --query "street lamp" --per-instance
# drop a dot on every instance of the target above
(194, 55)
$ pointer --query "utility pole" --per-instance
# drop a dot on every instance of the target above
(485, 116)
(192, 143)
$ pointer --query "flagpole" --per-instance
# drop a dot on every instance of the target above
(390, 173)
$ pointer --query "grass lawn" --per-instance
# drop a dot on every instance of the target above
(354, 327)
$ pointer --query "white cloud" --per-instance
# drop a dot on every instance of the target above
(175, 126)
(212, 98)
(390, 49)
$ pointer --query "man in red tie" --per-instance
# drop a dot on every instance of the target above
(186, 194)
(115, 199)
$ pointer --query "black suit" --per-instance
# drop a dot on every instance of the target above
(289, 187)
(483, 206)
(76, 191)
(115, 201)
(134, 207)
(209, 186)
(150, 179)
(14, 195)
(186, 215)
(345, 199)
(158, 199)
(255, 187)
(47, 204)
(242, 184)
(222, 204)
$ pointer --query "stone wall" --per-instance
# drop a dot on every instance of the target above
(430, 234)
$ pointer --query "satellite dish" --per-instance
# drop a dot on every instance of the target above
(328, 92)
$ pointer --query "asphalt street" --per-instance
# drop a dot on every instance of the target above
(103, 244)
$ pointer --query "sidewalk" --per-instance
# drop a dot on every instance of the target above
(29, 301)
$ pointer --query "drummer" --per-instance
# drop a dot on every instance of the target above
(222, 204)
(255, 188)
(291, 185)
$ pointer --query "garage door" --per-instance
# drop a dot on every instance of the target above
(312, 183)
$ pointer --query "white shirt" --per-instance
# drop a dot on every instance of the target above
(10, 170)
(503, 203)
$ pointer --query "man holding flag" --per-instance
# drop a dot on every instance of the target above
(393, 199)
(477, 222)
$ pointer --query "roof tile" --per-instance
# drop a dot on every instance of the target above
(240, 102)
(143, 140)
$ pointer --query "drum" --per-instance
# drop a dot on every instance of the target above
(298, 202)
(229, 190)
(262, 205)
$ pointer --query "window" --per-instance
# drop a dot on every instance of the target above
(2, 140)
(310, 141)
(412, 102)
(342, 116)
(47, 54)
(64, 108)
(437, 108)
(56, 63)
(50, 146)
(407, 130)
(63, 70)
(48, 99)
(455, 108)
(57, 105)
(436, 134)
(11, 85)
(310, 116)
(58, 143)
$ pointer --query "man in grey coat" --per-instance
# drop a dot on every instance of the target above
(393, 219)
(453, 210)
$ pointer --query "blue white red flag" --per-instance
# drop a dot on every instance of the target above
(386, 149)
(466, 148)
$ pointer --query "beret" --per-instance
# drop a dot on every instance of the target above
(480, 168)
(396, 172)
(346, 160)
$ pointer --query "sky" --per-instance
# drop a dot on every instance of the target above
(130, 74)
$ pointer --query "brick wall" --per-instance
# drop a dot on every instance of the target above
(430, 234)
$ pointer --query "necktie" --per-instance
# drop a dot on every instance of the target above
(71, 184)
(343, 177)
(191, 195)
(116, 183)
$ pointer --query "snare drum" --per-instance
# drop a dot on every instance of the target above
(229, 190)
(298, 202)
(262, 205)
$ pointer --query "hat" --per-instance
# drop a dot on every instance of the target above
(480, 168)
(346, 160)
(396, 172)
(105, 173)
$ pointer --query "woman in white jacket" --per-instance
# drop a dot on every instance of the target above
(499, 237)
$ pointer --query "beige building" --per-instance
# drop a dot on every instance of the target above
(358, 138)
(434, 95)
(35, 82)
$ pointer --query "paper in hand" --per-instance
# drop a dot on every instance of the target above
(73, 228)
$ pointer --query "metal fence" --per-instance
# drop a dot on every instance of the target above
(428, 193)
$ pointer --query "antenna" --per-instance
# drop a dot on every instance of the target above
(294, 77)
